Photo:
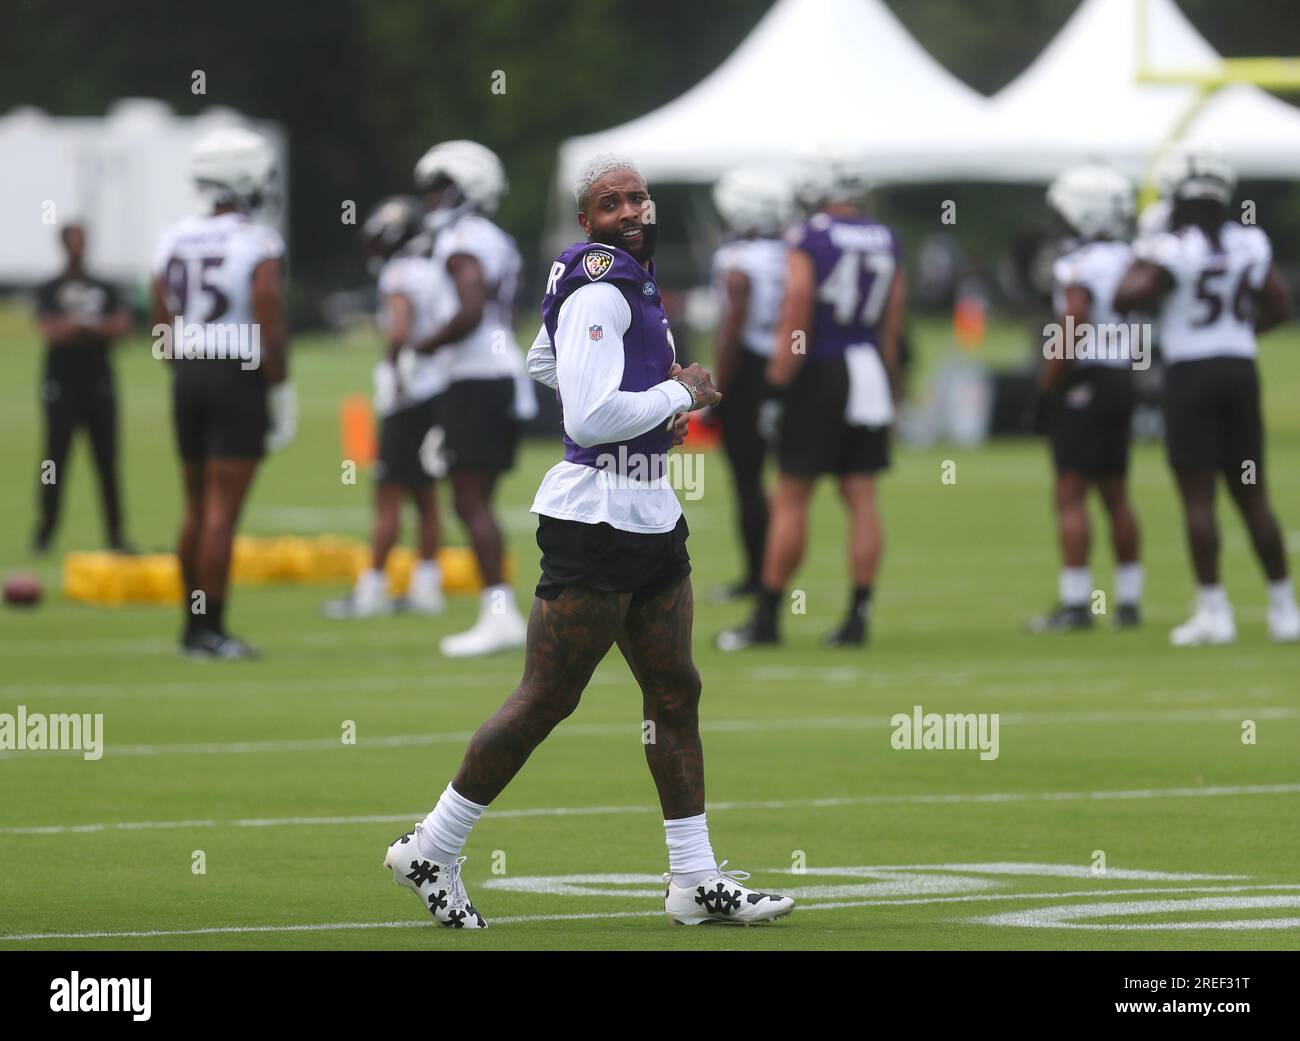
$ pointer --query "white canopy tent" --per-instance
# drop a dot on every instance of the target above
(1082, 100)
(837, 76)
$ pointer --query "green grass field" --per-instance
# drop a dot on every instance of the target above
(1110, 742)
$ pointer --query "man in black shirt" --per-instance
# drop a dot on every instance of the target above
(79, 317)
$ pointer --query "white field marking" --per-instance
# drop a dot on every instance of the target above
(829, 802)
(1064, 917)
(1020, 868)
(319, 927)
(733, 726)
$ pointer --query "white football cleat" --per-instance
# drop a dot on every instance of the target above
(1205, 627)
(438, 886)
(722, 898)
(1284, 626)
(491, 633)
(365, 601)
(422, 598)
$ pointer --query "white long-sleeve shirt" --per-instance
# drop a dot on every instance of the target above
(587, 373)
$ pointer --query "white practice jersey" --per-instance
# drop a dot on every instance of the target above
(1097, 267)
(764, 262)
(490, 350)
(206, 266)
(428, 287)
(1210, 312)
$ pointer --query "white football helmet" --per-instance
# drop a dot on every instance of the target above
(233, 164)
(1094, 200)
(1200, 173)
(475, 170)
(755, 199)
(826, 178)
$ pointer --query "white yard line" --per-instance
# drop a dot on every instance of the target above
(829, 802)
(321, 927)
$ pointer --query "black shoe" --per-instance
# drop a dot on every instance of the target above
(738, 591)
(205, 645)
(751, 634)
(40, 545)
(853, 633)
(123, 547)
(1062, 619)
(1128, 617)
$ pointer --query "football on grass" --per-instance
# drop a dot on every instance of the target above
(22, 591)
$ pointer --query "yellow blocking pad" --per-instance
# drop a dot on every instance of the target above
(110, 578)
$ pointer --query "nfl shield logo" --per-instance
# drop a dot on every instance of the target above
(596, 332)
(596, 262)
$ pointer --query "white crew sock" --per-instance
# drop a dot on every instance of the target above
(1281, 597)
(497, 602)
(1213, 599)
(1128, 583)
(690, 857)
(372, 582)
(1075, 585)
(427, 574)
(442, 835)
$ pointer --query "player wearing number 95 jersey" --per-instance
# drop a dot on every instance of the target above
(219, 319)
(834, 358)
(1214, 285)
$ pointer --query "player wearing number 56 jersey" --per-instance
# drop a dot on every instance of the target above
(835, 353)
(219, 319)
(1215, 286)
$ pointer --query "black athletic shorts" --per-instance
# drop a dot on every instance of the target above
(219, 410)
(1090, 423)
(600, 556)
(815, 436)
(1212, 417)
(480, 430)
(402, 456)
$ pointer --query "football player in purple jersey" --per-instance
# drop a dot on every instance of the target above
(615, 570)
(831, 404)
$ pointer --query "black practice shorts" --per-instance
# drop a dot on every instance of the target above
(815, 436)
(219, 411)
(600, 556)
(404, 457)
(1090, 423)
(479, 427)
(1212, 417)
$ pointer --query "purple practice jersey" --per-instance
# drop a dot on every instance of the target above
(855, 259)
(648, 351)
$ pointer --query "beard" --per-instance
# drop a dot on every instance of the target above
(642, 252)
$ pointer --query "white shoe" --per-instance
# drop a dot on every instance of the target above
(491, 633)
(1205, 627)
(722, 898)
(367, 600)
(1284, 626)
(423, 600)
(438, 886)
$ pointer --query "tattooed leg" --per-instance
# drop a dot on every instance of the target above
(656, 641)
(567, 638)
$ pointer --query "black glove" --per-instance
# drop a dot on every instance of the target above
(771, 414)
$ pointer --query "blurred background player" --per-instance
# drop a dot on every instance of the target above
(79, 316)
(222, 275)
(615, 569)
(489, 392)
(836, 352)
(411, 286)
(749, 273)
(1214, 284)
(1088, 393)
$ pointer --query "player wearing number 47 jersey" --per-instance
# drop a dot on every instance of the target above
(218, 291)
(834, 359)
(615, 570)
(1214, 285)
